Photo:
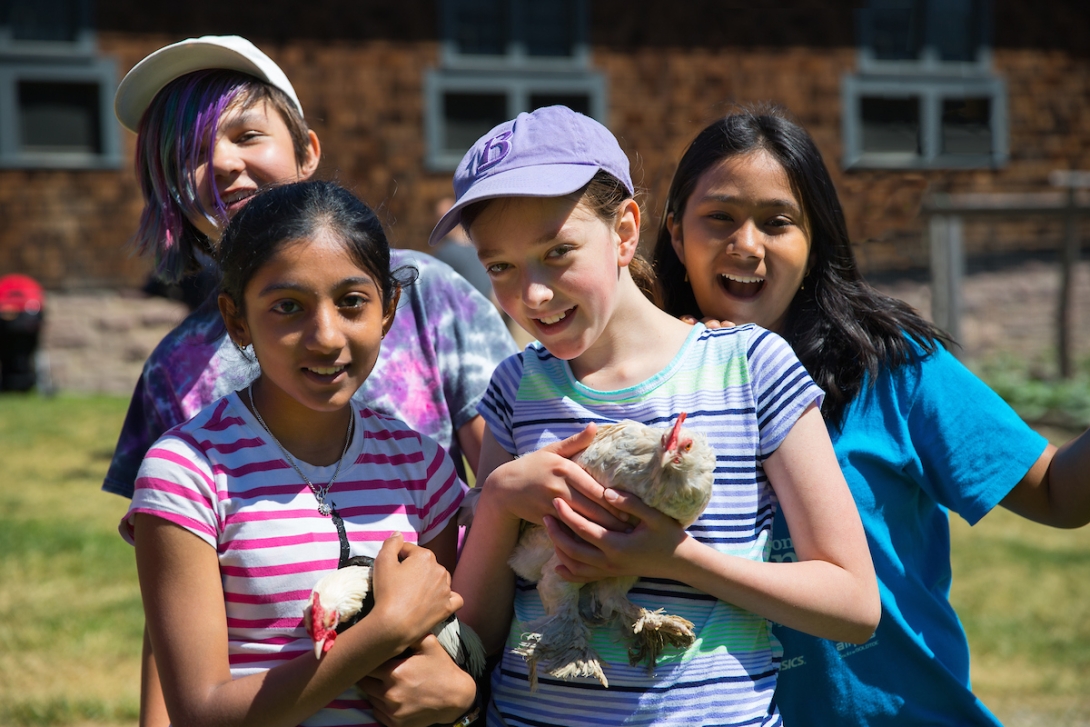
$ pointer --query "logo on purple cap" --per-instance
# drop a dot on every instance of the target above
(493, 152)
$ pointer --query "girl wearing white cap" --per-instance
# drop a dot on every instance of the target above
(548, 201)
(217, 120)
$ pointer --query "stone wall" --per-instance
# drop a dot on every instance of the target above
(98, 341)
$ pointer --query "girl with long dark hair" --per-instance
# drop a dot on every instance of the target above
(753, 232)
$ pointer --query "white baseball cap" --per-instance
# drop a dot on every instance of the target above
(229, 52)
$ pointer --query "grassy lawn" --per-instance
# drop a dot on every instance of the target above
(70, 616)
(1022, 591)
(71, 621)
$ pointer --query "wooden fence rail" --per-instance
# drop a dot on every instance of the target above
(944, 213)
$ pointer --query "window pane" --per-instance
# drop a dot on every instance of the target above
(954, 28)
(891, 124)
(896, 30)
(550, 27)
(575, 101)
(59, 117)
(481, 27)
(467, 116)
(966, 127)
(53, 20)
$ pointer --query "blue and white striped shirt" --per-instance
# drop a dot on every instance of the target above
(744, 388)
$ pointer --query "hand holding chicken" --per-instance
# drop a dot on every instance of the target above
(671, 471)
(344, 596)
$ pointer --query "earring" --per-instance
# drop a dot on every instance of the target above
(242, 350)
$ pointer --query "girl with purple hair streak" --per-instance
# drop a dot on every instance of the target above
(217, 120)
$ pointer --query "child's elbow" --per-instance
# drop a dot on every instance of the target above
(868, 613)
(861, 632)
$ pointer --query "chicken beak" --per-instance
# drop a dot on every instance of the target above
(319, 648)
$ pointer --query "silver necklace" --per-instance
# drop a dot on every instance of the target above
(324, 508)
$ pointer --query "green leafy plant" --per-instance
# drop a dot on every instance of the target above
(1038, 396)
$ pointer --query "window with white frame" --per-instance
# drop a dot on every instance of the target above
(925, 95)
(503, 57)
(55, 92)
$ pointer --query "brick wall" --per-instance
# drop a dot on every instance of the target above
(362, 87)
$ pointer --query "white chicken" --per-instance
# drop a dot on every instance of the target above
(671, 470)
(343, 597)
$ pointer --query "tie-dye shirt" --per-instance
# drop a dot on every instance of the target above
(433, 369)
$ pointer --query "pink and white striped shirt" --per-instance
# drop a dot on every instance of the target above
(221, 477)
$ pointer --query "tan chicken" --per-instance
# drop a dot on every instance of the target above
(671, 470)
(343, 597)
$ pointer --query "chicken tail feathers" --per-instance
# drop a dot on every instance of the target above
(463, 645)
(653, 632)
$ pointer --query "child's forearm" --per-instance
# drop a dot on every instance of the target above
(284, 695)
(814, 596)
(1056, 489)
(1069, 481)
(483, 578)
(184, 606)
(292, 692)
(829, 594)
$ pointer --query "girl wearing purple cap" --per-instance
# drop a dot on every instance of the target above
(548, 201)
(217, 120)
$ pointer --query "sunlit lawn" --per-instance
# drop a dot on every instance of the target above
(70, 614)
(1023, 593)
(71, 621)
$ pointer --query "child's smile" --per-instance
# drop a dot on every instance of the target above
(554, 268)
(253, 148)
(316, 319)
(553, 322)
(744, 240)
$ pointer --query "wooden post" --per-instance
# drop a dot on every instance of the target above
(947, 271)
(1069, 258)
(944, 214)
(1065, 324)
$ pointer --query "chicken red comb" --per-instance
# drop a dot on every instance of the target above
(320, 633)
(671, 441)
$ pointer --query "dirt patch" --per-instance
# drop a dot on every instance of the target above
(1009, 310)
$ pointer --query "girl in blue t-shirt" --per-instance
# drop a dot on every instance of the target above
(753, 232)
(547, 200)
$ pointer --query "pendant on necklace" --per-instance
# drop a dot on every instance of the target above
(324, 509)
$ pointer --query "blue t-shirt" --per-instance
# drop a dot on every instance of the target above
(927, 438)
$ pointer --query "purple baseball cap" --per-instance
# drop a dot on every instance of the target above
(551, 152)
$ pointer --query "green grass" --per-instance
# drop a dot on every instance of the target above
(71, 620)
(1023, 593)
